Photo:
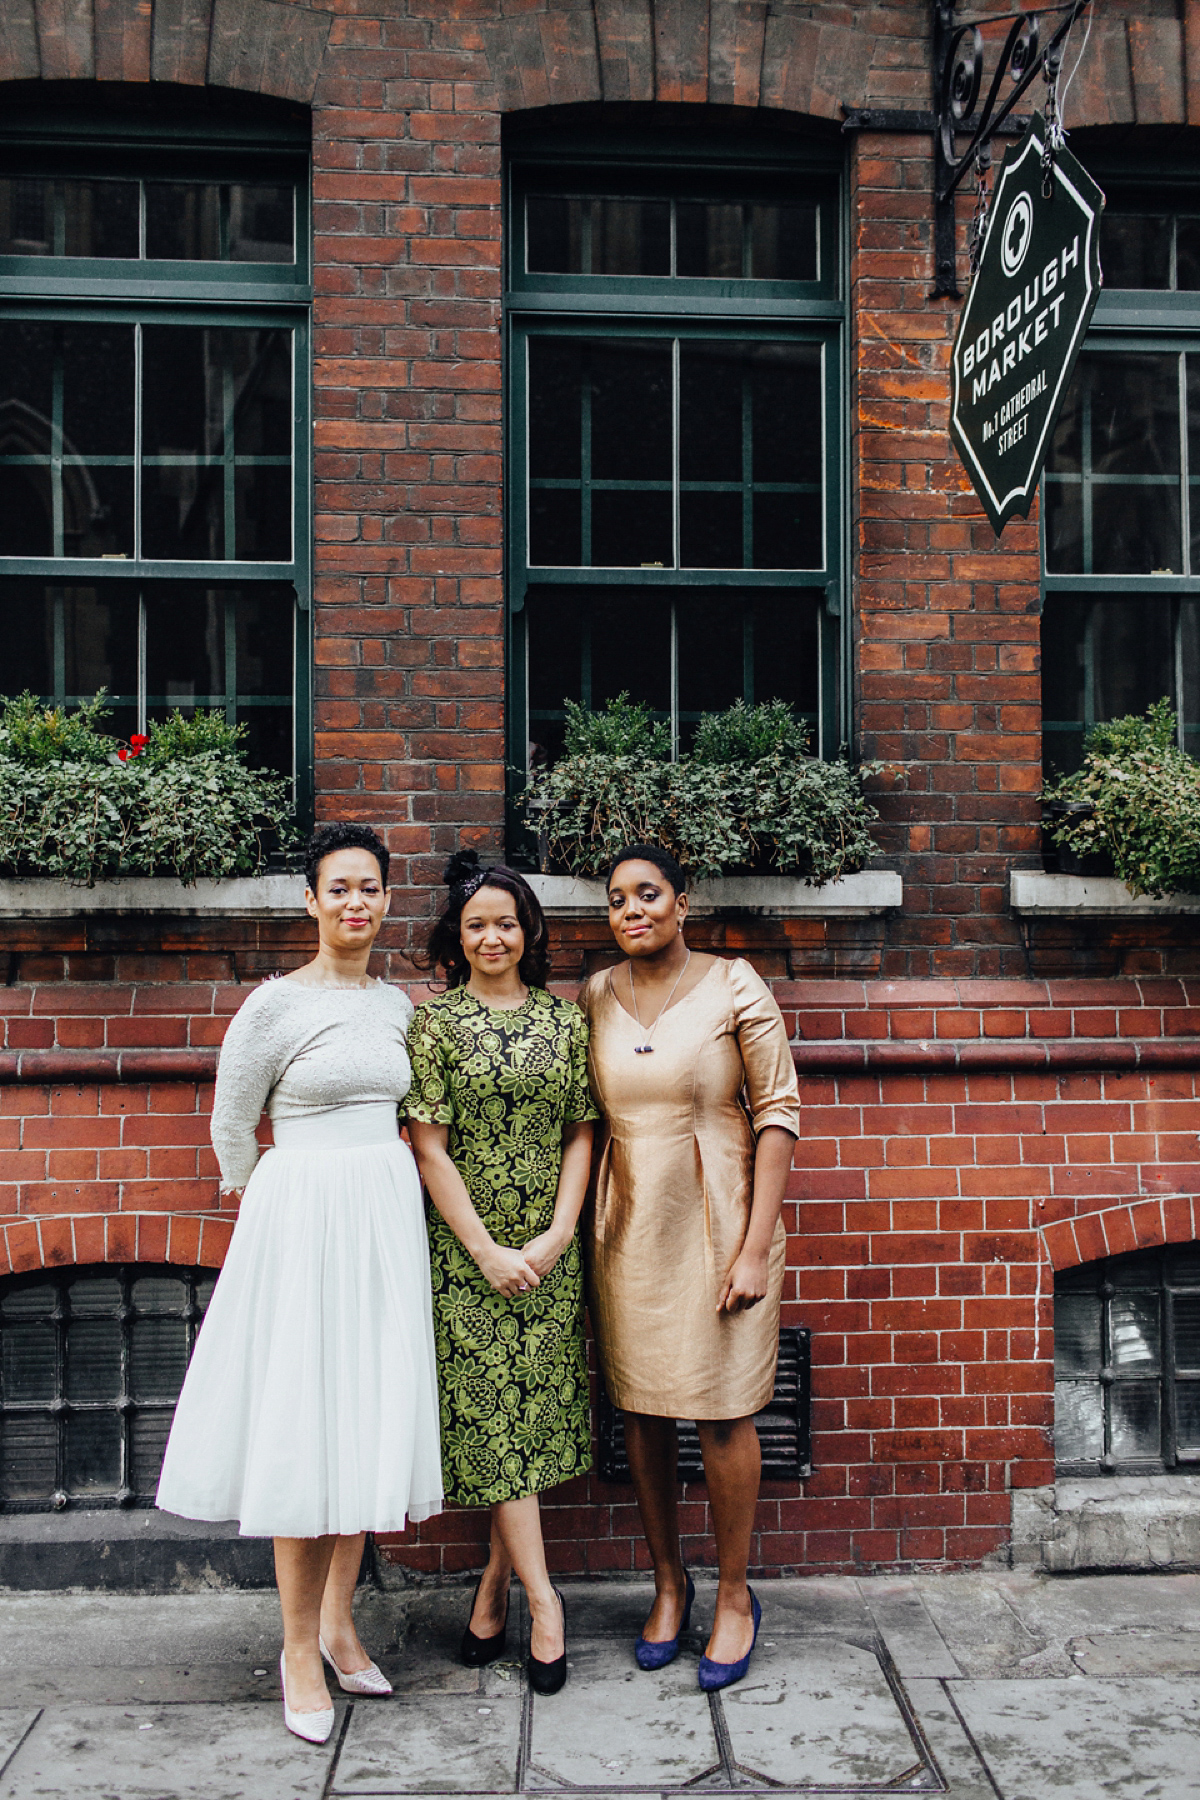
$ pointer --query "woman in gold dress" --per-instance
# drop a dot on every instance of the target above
(691, 1068)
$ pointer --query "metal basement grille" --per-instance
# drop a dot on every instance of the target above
(91, 1363)
(784, 1427)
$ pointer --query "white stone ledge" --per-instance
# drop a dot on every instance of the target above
(1108, 1522)
(1088, 897)
(258, 896)
(853, 897)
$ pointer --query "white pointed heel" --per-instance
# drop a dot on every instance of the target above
(313, 1727)
(370, 1681)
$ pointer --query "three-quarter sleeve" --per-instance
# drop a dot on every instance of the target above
(429, 1101)
(771, 1086)
(578, 1104)
(250, 1064)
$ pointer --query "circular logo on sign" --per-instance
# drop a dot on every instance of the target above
(1018, 231)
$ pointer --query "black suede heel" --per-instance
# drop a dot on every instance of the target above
(549, 1677)
(476, 1652)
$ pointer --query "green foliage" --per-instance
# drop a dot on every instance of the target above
(746, 734)
(186, 806)
(624, 728)
(1136, 798)
(34, 734)
(727, 809)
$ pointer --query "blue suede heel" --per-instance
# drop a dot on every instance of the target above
(650, 1655)
(714, 1675)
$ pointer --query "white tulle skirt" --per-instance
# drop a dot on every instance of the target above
(310, 1404)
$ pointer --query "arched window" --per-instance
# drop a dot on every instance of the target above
(91, 1364)
(1127, 1363)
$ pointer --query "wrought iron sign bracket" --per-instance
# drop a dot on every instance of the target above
(957, 80)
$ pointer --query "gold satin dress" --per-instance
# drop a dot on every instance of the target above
(673, 1190)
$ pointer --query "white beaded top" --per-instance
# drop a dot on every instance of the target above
(296, 1051)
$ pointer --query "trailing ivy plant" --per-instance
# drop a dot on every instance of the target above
(1136, 798)
(748, 796)
(178, 800)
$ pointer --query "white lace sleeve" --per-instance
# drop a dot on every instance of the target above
(253, 1057)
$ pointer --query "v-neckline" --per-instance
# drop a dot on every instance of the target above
(673, 1007)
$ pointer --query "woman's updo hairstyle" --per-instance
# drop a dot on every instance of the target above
(671, 871)
(464, 875)
(342, 835)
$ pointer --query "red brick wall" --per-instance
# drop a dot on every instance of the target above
(960, 1140)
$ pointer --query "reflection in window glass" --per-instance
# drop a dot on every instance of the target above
(607, 467)
(729, 239)
(1127, 1362)
(1105, 656)
(1135, 248)
(92, 1361)
(591, 644)
(204, 221)
(41, 217)
(1112, 490)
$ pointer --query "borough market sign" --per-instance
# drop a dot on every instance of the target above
(1024, 322)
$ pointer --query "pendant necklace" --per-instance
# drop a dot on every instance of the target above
(647, 1047)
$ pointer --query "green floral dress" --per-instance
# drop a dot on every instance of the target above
(511, 1373)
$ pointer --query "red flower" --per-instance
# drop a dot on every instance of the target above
(123, 753)
(138, 739)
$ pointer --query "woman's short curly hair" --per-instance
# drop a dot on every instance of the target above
(668, 867)
(342, 835)
(464, 876)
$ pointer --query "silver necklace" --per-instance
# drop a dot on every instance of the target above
(648, 1030)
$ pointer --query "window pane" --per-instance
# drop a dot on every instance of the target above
(1078, 1422)
(1136, 1424)
(28, 1456)
(1135, 249)
(28, 1367)
(1076, 1334)
(215, 404)
(148, 1442)
(631, 237)
(1114, 507)
(262, 225)
(637, 660)
(709, 240)
(183, 220)
(94, 1359)
(1187, 254)
(631, 445)
(99, 629)
(1187, 1331)
(94, 1294)
(1105, 658)
(1134, 1333)
(39, 217)
(265, 624)
(711, 655)
(66, 439)
(158, 1356)
(93, 1452)
(783, 243)
(556, 375)
(1187, 1417)
(185, 649)
(787, 651)
(554, 227)
(1133, 654)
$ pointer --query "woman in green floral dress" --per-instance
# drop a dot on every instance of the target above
(500, 1118)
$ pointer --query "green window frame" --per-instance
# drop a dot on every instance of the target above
(668, 317)
(236, 292)
(1116, 633)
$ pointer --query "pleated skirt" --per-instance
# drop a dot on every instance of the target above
(310, 1404)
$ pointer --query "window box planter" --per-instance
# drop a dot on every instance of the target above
(244, 896)
(861, 896)
(1031, 892)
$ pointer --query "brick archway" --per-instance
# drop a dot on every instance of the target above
(184, 1239)
(258, 46)
(1115, 1230)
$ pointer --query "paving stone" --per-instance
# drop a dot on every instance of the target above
(14, 1723)
(435, 1744)
(960, 1768)
(979, 1626)
(818, 1715)
(1080, 1739)
(1138, 1653)
(913, 1641)
(615, 1725)
(166, 1753)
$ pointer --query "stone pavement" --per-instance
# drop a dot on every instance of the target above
(977, 1685)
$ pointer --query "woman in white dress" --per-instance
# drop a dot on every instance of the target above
(310, 1410)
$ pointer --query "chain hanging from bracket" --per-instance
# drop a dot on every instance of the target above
(983, 204)
(1056, 137)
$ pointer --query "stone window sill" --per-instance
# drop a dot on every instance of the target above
(260, 896)
(1088, 897)
(853, 897)
(1108, 1522)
